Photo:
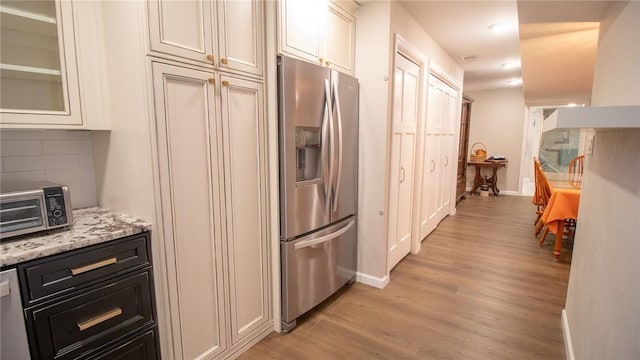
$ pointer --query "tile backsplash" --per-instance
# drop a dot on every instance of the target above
(60, 156)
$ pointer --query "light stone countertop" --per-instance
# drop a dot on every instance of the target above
(90, 226)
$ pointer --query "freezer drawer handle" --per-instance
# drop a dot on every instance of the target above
(97, 265)
(84, 325)
(322, 239)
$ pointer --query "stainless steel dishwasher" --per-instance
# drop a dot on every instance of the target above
(13, 333)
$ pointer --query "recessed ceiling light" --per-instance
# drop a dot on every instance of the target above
(510, 65)
(514, 82)
(498, 27)
(572, 104)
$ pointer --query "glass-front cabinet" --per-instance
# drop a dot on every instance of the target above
(38, 66)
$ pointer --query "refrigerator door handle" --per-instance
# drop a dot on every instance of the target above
(326, 180)
(328, 109)
(339, 144)
(323, 239)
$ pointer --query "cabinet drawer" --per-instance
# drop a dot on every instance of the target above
(142, 347)
(68, 328)
(65, 272)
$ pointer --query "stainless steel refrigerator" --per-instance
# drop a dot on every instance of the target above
(318, 134)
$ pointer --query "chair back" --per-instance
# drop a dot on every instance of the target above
(536, 194)
(576, 166)
(543, 188)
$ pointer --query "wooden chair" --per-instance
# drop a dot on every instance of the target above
(543, 190)
(537, 196)
(576, 167)
(544, 195)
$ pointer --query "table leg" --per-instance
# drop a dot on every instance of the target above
(558, 246)
(476, 181)
(494, 185)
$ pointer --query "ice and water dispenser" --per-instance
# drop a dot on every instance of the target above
(308, 157)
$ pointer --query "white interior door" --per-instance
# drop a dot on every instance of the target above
(447, 157)
(405, 117)
(431, 193)
(439, 158)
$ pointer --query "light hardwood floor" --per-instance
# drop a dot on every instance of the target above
(481, 288)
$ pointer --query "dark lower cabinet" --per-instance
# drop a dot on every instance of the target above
(107, 315)
(141, 347)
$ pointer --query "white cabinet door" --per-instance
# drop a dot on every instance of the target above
(38, 69)
(182, 28)
(240, 35)
(319, 32)
(405, 117)
(227, 34)
(188, 145)
(301, 28)
(340, 39)
(244, 134)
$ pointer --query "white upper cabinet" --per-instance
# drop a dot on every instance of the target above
(319, 32)
(340, 39)
(225, 34)
(301, 28)
(182, 28)
(240, 38)
(43, 72)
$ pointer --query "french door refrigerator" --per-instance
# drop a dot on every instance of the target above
(318, 151)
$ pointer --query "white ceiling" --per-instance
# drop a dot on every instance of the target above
(555, 41)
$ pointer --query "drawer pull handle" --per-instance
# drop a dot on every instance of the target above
(99, 319)
(99, 264)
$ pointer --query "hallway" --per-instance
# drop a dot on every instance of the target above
(481, 288)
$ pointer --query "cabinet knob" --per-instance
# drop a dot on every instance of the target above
(211, 81)
(321, 61)
(211, 58)
(225, 83)
(327, 63)
(224, 61)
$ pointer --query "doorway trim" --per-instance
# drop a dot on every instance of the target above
(402, 47)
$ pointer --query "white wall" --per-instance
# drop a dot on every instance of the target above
(603, 296)
(372, 70)
(497, 121)
(377, 22)
(59, 156)
(123, 155)
(403, 24)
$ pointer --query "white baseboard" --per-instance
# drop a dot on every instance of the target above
(376, 282)
(511, 193)
(502, 192)
(528, 187)
(568, 346)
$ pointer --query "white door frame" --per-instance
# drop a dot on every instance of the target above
(404, 48)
